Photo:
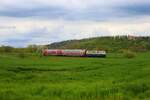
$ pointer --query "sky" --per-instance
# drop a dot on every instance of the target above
(25, 22)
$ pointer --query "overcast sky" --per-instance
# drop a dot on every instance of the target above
(24, 22)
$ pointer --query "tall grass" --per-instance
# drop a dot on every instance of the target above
(71, 78)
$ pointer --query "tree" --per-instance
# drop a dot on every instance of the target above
(6, 49)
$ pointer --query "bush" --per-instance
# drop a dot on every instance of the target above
(22, 55)
(128, 54)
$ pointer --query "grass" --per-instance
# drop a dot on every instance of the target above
(75, 78)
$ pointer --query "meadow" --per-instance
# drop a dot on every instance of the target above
(73, 78)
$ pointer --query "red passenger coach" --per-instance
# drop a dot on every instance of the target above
(66, 52)
(47, 52)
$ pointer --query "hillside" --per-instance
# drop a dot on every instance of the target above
(110, 44)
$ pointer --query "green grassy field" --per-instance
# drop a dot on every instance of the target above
(75, 78)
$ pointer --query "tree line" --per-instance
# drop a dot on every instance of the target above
(28, 49)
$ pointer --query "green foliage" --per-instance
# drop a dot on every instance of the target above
(6, 49)
(23, 52)
(32, 48)
(110, 44)
(74, 78)
(128, 54)
(22, 55)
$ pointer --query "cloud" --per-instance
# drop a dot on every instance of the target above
(45, 21)
(74, 9)
(31, 31)
(136, 9)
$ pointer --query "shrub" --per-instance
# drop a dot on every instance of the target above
(128, 54)
(22, 55)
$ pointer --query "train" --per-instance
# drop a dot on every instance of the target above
(74, 52)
